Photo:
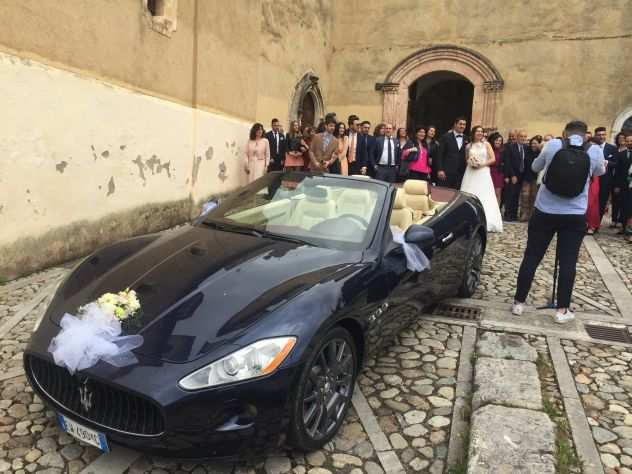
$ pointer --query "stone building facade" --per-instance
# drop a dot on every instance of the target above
(121, 116)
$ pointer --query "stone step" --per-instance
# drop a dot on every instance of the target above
(511, 440)
(506, 382)
(505, 346)
(509, 432)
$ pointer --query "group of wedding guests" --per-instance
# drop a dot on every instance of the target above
(499, 172)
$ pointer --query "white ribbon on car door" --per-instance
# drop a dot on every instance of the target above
(416, 260)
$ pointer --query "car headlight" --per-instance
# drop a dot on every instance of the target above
(256, 360)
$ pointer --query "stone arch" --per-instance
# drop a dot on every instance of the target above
(486, 79)
(622, 118)
(308, 85)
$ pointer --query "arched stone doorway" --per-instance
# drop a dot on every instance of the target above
(437, 99)
(622, 122)
(451, 63)
(307, 101)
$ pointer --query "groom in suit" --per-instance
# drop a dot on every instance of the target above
(276, 139)
(450, 160)
(386, 156)
(514, 159)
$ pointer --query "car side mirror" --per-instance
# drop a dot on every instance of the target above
(421, 235)
(206, 208)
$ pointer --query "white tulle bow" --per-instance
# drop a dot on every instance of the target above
(416, 260)
(94, 336)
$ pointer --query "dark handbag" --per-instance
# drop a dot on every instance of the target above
(403, 168)
(294, 144)
(412, 157)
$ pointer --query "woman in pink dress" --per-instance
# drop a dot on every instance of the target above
(420, 167)
(257, 153)
(498, 176)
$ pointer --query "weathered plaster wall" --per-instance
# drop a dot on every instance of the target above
(109, 39)
(85, 163)
(111, 129)
(558, 59)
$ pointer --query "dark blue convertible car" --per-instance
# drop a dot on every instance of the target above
(258, 317)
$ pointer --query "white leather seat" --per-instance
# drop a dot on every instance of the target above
(401, 216)
(356, 202)
(314, 208)
(417, 198)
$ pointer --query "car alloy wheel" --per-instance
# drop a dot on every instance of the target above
(474, 263)
(324, 392)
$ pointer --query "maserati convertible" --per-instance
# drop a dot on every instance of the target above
(258, 317)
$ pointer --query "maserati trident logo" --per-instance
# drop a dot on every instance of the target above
(85, 396)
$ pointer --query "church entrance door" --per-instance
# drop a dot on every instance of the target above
(437, 99)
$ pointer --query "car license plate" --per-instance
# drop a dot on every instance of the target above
(82, 433)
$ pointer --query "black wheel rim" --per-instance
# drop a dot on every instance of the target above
(328, 388)
(475, 264)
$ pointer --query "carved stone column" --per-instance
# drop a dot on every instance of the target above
(491, 95)
(391, 110)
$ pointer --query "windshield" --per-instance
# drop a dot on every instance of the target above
(322, 210)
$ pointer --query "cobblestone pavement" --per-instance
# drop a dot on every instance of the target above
(619, 252)
(502, 261)
(603, 377)
(410, 387)
(30, 440)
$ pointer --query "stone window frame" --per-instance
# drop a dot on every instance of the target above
(308, 84)
(165, 23)
(620, 120)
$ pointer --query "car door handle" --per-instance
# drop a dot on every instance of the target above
(448, 238)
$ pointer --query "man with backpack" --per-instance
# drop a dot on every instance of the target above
(560, 208)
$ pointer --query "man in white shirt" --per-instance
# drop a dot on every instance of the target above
(386, 158)
(606, 181)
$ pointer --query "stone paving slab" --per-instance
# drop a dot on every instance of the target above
(506, 382)
(511, 440)
(505, 346)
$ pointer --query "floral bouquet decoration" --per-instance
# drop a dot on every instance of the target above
(95, 333)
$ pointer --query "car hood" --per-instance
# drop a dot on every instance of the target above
(199, 288)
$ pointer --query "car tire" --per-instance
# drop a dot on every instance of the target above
(473, 265)
(319, 382)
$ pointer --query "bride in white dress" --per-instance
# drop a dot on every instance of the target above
(477, 179)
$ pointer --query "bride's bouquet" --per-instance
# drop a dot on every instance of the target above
(95, 333)
(475, 161)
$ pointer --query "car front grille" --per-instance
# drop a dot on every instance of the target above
(109, 407)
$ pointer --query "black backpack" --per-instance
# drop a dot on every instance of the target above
(568, 171)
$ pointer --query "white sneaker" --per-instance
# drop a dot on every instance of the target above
(517, 308)
(562, 318)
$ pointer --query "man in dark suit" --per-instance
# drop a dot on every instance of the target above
(606, 181)
(514, 159)
(353, 141)
(277, 146)
(450, 159)
(364, 151)
(386, 156)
